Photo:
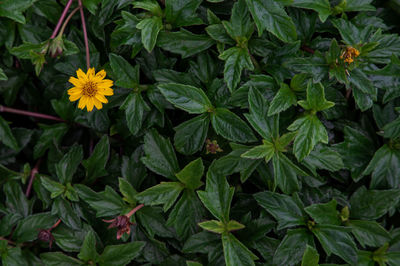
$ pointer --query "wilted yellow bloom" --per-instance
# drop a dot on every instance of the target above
(349, 54)
(90, 88)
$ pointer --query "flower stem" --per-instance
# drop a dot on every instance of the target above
(85, 34)
(307, 49)
(61, 19)
(67, 20)
(55, 225)
(34, 171)
(27, 113)
(134, 210)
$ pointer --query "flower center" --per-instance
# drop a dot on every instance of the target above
(90, 89)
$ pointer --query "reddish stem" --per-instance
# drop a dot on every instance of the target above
(67, 20)
(55, 225)
(134, 210)
(85, 35)
(9, 241)
(27, 113)
(307, 49)
(34, 171)
(61, 19)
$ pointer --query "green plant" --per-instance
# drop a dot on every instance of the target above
(240, 132)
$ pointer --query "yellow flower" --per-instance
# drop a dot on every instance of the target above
(90, 88)
(349, 54)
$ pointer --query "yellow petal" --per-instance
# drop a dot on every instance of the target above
(76, 82)
(81, 76)
(82, 102)
(74, 90)
(101, 75)
(90, 104)
(105, 83)
(101, 98)
(90, 73)
(74, 97)
(98, 104)
(107, 92)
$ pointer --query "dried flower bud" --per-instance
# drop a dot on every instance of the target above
(212, 147)
(349, 54)
(122, 223)
(56, 46)
(45, 235)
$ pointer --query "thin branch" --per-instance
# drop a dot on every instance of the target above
(135, 210)
(61, 19)
(28, 113)
(307, 49)
(34, 171)
(55, 225)
(67, 20)
(85, 35)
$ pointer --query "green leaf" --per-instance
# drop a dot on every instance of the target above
(336, 240)
(106, 203)
(236, 59)
(310, 132)
(13, 9)
(230, 126)
(240, 27)
(267, 127)
(392, 129)
(67, 166)
(316, 65)
(321, 6)
(369, 233)
(218, 194)
(323, 157)
(3, 75)
(16, 201)
(324, 213)
(359, 5)
(286, 210)
(153, 221)
(384, 167)
(120, 254)
(290, 251)
(164, 193)
(160, 155)
(126, 75)
(285, 173)
(315, 98)
(213, 226)
(63, 209)
(28, 228)
(191, 134)
(51, 134)
(233, 225)
(282, 100)
(182, 12)
(360, 81)
(54, 187)
(266, 151)
(150, 27)
(191, 174)
(6, 135)
(135, 108)
(188, 98)
(184, 42)
(96, 163)
(310, 257)
(88, 250)
(361, 147)
(58, 258)
(270, 15)
(149, 5)
(127, 191)
(372, 204)
(186, 214)
(235, 252)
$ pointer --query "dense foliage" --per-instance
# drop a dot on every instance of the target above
(234, 132)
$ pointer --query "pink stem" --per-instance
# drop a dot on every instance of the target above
(27, 113)
(85, 35)
(55, 225)
(61, 19)
(135, 210)
(34, 171)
